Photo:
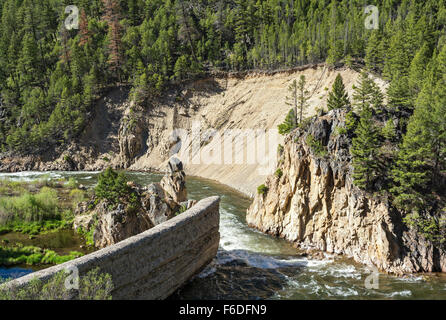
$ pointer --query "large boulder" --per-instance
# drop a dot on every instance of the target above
(131, 140)
(157, 206)
(174, 182)
(116, 225)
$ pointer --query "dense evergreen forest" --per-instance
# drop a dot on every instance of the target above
(50, 76)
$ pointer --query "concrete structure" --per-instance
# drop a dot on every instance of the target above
(156, 263)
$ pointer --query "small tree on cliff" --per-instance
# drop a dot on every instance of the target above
(303, 98)
(298, 99)
(289, 124)
(367, 94)
(112, 186)
(291, 100)
(365, 150)
(338, 98)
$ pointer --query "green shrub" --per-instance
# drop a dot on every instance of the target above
(289, 124)
(96, 286)
(8, 187)
(67, 158)
(183, 209)
(279, 173)
(29, 255)
(112, 186)
(339, 131)
(262, 189)
(433, 229)
(93, 286)
(316, 146)
(30, 208)
(72, 183)
(88, 235)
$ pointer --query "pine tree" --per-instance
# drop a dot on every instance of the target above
(85, 34)
(417, 69)
(389, 131)
(336, 46)
(338, 98)
(112, 17)
(362, 93)
(29, 54)
(365, 151)
(376, 98)
(422, 157)
(397, 64)
(181, 68)
(187, 32)
(373, 58)
(302, 99)
(292, 100)
(399, 94)
(289, 124)
(410, 174)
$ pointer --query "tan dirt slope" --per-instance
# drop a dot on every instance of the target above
(257, 101)
(124, 135)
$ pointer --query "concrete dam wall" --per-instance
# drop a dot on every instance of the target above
(156, 263)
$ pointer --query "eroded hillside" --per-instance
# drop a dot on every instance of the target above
(256, 101)
(122, 134)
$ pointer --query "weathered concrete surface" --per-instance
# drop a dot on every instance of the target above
(156, 263)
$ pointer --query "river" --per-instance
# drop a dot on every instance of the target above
(251, 265)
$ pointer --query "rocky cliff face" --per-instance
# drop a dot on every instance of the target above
(131, 137)
(313, 202)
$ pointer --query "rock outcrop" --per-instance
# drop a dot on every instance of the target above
(114, 226)
(131, 138)
(314, 204)
(155, 204)
(174, 182)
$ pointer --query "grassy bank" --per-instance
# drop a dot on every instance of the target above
(31, 256)
(39, 206)
(33, 209)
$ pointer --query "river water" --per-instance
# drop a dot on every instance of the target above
(251, 265)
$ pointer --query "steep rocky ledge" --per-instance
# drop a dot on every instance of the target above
(313, 203)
